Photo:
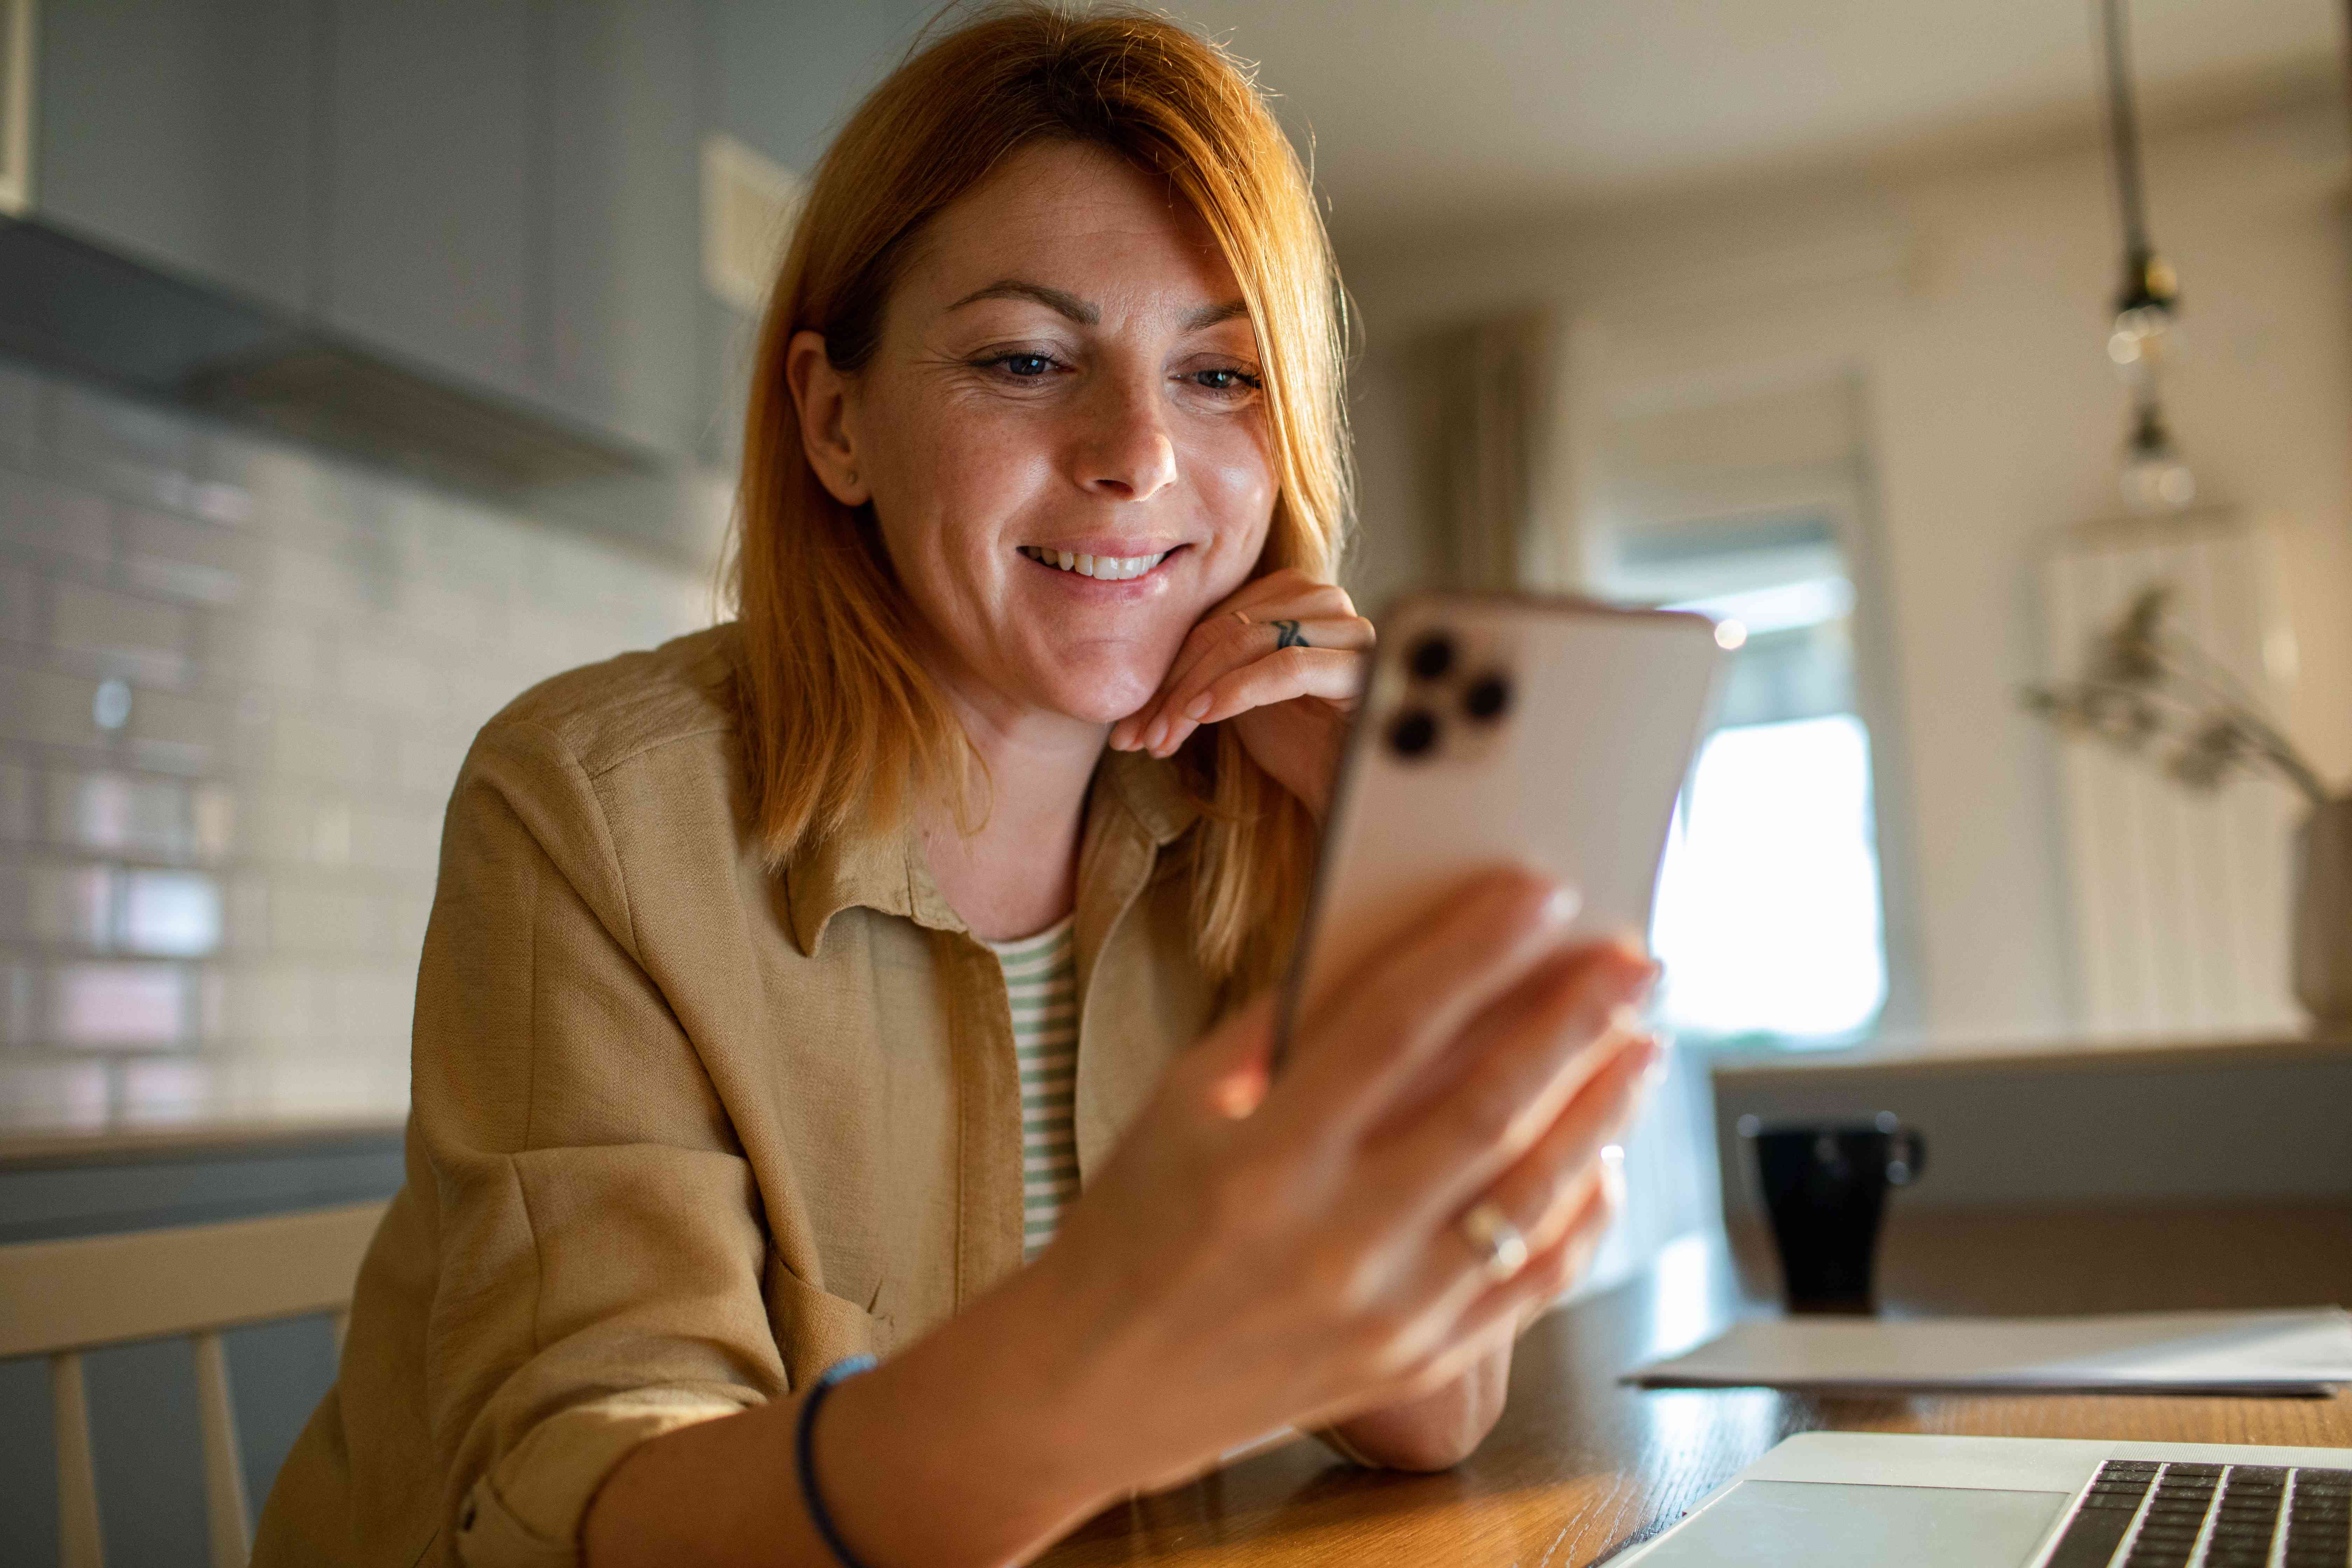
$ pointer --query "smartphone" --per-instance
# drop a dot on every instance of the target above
(1505, 728)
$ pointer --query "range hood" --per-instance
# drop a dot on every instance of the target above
(73, 307)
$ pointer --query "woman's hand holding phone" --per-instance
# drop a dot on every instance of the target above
(1261, 1252)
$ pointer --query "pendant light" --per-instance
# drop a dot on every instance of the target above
(2145, 336)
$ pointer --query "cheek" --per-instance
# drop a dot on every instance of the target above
(1235, 478)
(979, 461)
(944, 481)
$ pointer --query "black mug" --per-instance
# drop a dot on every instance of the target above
(1825, 1185)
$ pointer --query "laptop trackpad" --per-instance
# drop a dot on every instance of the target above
(1826, 1524)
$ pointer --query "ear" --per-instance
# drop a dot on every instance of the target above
(820, 397)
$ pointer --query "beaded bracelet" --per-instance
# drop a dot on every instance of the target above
(804, 1459)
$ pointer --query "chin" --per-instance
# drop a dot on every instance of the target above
(1096, 709)
(1102, 696)
(1101, 681)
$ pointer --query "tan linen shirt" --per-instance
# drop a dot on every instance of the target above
(686, 1132)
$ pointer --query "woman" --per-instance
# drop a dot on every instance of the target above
(1034, 699)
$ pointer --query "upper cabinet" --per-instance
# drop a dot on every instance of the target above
(427, 228)
(182, 135)
(503, 196)
(500, 194)
(619, 199)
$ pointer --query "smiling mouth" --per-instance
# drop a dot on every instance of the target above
(1103, 568)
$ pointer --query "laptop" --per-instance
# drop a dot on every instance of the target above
(1851, 1500)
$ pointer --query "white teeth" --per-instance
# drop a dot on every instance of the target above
(1102, 568)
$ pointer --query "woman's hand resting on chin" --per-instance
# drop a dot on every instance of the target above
(1283, 660)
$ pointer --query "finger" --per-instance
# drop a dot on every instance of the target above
(1219, 643)
(1335, 675)
(1227, 1074)
(1545, 1187)
(1499, 1313)
(1549, 1274)
(1226, 646)
(1261, 596)
(1539, 1195)
(1551, 1040)
(1213, 631)
(1288, 594)
(1362, 1037)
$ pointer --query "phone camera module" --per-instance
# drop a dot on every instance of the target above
(1488, 698)
(1413, 733)
(1432, 658)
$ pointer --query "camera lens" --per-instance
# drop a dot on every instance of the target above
(1488, 696)
(1431, 657)
(1413, 733)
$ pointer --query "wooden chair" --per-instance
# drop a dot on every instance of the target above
(59, 1299)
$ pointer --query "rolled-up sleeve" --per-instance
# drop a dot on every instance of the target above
(601, 1244)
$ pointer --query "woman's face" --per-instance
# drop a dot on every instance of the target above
(1066, 378)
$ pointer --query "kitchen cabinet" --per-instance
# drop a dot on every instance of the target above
(427, 248)
(614, 345)
(180, 135)
(500, 196)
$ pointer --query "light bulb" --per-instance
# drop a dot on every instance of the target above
(2154, 477)
(2163, 484)
(2145, 338)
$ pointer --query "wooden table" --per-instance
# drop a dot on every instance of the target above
(1581, 1465)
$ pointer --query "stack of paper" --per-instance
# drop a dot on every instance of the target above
(2287, 1352)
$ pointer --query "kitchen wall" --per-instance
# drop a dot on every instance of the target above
(2095, 1129)
(237, 678)
(1966, 299)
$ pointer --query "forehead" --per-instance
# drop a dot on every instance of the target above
(1077, 217)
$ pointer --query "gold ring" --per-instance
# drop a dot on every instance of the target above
(1496, 1240)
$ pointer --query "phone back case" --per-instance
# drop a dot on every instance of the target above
(1507, 729)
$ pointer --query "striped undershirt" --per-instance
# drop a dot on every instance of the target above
(1041, 979)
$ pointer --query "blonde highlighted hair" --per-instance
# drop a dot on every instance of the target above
(840, 720)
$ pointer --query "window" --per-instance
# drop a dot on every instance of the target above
(1768, 918)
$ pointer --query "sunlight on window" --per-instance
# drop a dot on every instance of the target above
(1767, 911)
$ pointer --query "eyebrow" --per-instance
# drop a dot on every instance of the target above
(1062, 302)
(1208, 316)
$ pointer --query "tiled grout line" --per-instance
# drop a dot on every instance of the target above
(126, 512)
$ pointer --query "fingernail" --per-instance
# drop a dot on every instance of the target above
(1158, 732)
(1561, 907)
(1198, 708)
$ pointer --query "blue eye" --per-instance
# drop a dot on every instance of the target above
(1225, 379)
(1026, 365)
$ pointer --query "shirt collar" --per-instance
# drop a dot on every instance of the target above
(1133, 795)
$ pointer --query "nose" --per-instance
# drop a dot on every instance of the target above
(1126, 453)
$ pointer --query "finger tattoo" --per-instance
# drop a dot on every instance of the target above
(1287, 634)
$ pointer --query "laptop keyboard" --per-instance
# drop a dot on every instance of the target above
(2143, 1514)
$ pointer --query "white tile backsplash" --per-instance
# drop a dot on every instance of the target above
(215, 910)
